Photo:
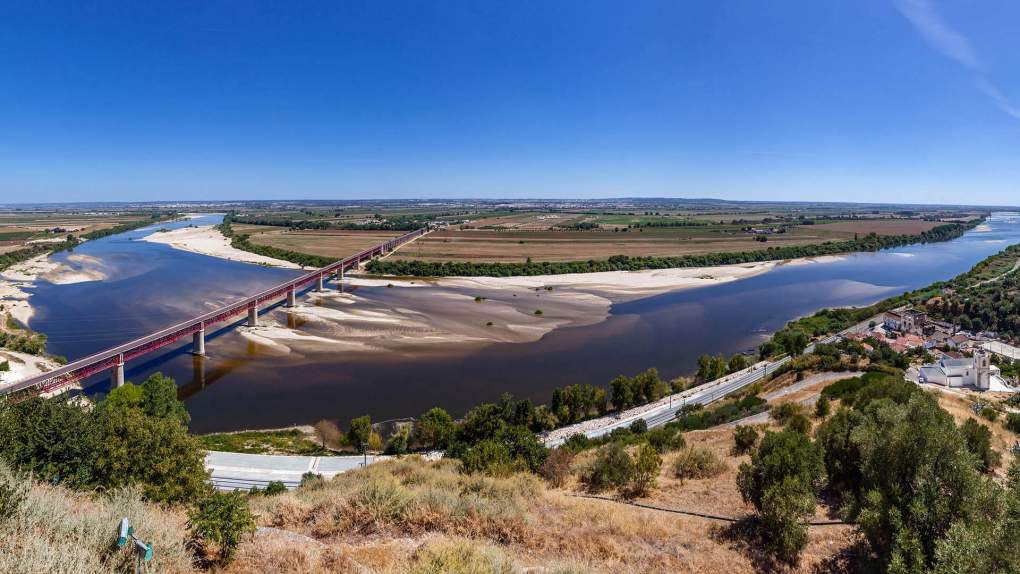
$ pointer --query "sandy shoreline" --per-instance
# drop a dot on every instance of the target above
(207, 240)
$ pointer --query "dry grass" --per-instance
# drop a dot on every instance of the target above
(57, 531)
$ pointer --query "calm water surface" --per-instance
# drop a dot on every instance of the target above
(151, 286)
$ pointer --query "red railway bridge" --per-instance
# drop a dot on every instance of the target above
(113, 359)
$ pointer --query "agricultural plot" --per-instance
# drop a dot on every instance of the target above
(518, 244)
(326, 243)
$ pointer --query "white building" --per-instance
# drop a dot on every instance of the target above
(977, 372)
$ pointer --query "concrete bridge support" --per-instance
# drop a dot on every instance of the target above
(253, 316)
(291, 298)
(340, 279)
(117, 376)
(198, 342)
(318, 284)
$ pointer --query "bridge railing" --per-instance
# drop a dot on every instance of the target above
(103, 360)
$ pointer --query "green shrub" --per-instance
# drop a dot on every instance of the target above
(799, 423)
(1013, 422)
(434, 429)
(646, 470)
(665, 438)
(989, 414)
(978, 439)
(461, 556)
(275, 487)
(697, 463)
(612, 468)
(5, 366)
(639, 426)
(359, 432)
(488, 456)
(744, 439)
(222, 519)
(783, 412)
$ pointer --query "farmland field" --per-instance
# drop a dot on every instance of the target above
(487, 245)
(327, 243)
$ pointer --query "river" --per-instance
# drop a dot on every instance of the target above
(238, 386)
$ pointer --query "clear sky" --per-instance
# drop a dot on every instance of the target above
(866, 100)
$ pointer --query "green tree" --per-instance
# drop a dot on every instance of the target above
(917, 479)
(222, 519)
(978, 439)
(159, 399)
(157, 453)
(780, 482)
(737, 363)
(434, 429)
(822, 407)
(359, 431)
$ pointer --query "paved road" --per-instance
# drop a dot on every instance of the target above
(667, 410)
(232, 471)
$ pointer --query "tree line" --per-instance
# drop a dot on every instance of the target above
(870, 242)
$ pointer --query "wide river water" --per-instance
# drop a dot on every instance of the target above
(150, 286)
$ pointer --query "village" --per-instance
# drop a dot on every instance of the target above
(949, 356)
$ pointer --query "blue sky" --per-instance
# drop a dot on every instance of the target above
(869, 100)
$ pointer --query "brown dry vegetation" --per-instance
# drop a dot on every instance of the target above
(396, 516)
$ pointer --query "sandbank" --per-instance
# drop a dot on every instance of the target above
(207, 240)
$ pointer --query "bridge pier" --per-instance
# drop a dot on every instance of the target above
(253, 316)
(318, 283)
(198, 341)
(117, 376)
(340, 279)
(291, 299)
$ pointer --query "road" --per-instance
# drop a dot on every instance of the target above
(236, 471)
(666, 409)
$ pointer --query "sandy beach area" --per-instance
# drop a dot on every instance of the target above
(22, 366)
(207, 240)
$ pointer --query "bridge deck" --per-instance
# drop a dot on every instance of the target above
(108, 358)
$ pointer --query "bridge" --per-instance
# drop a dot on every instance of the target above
(113, 359)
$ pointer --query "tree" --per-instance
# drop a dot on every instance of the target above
(737, 363)
(978, 439)
(646, 470)
(159, 399)
(434, 429)
(359, 431)
(822, 407)
(328, 433)
(157, 453)
(917, 479)
(780, 482)
(222, 519)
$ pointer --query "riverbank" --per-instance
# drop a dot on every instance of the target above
(207, 240)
